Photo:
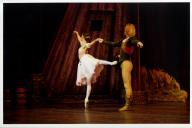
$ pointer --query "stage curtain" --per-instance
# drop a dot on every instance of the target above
(61, 66)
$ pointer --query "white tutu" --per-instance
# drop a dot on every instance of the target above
(88, 67)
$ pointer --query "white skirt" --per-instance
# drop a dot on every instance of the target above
(88, 68)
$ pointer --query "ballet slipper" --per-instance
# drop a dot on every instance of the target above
(114, 63)
(86, 103)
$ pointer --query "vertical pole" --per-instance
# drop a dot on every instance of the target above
(138, 53)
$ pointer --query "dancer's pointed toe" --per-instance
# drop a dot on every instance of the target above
(86, 104)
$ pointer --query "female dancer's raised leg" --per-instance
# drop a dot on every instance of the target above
(104, 62)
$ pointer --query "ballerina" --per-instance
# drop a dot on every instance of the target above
(89, 68)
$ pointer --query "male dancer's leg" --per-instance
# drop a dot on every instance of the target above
(126, 68)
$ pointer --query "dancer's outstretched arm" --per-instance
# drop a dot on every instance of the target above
(113, 44)
(94, 41)
(78, 37)
(129, 50)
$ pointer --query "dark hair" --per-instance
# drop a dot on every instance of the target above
(86, 35)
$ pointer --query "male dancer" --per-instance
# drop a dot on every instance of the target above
(126, 50)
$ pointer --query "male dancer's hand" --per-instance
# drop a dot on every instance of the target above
(140, 44)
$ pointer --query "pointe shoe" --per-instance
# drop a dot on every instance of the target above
(86, 103)
(114, 63)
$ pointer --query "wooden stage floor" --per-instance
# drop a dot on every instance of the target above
(105, 111)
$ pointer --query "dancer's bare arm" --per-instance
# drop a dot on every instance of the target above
(94, 41)
(78, 37)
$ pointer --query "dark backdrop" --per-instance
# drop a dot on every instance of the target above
(30, 29)
(165, 31)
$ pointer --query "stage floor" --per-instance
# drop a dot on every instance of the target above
(103, 111)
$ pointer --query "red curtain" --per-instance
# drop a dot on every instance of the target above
(61, 66)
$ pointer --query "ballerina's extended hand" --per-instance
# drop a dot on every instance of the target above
(100, 40)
